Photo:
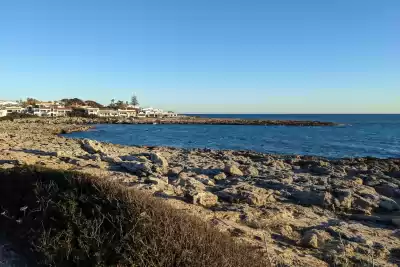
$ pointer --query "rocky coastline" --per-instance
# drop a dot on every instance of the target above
(184, 120)
(304, 210)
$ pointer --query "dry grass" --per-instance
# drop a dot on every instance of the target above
(65, 219)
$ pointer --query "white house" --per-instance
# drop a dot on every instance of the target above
(107, 113)
(155, 112)
(8, 103)
(127, 113)
(141, 114)
(14, 109)
(92, 111)
(51, 111)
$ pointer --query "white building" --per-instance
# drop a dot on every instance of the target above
(155, 112)
(13, 109)
(51, 111)
(92, 111)
(8, 103)
(127, 113)
(3, 112)
(107, 113)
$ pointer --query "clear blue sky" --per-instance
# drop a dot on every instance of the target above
(257, 56)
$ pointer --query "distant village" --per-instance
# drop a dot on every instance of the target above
(78, 107)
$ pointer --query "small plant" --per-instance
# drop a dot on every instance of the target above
(60, 218)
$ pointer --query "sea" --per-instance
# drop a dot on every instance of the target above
(357, 136)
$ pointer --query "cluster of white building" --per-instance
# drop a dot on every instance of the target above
(155, 113)
(130, 112)
(55, 109)
(100, 112)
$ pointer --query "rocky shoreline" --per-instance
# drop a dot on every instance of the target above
(305, 211)
(184, 120)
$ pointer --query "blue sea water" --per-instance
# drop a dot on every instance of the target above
(360, 136)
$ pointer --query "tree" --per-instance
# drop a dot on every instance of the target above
(134, 101)
(112, 102)
(31, 101)
(93, 104)
(120, 105)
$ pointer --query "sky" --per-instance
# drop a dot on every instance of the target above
(206, 56)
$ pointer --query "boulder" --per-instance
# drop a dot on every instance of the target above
(92, 147)
(244, 193)
(357, 181)
(204, 179)
(110, 159)
(220, 176)
(345, 198)
(160, 161)
(251, 171)
(139, 168)
(189, 183)
(256, 198)
(161, 184)
(130, 158)
(233, 170)
(203, 198)
(175, 171)
(364, 204)
(62, 154)
(320, 198)
(315, 238)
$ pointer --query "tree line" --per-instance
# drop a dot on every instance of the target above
(71, 102)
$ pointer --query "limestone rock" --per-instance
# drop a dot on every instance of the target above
(320, 198)
(61, 154)
(357, 181)
(365, 204)
(175, 171)
(233, 170)
(92, 147)
(162, 184)
(205, 180)
(345, 198)
(220, 176)
(202, 198)
(315, 238)
(189, 183)
(110, 159)
(139, 168)
(245, 193)
(160, 161)
(256, 198)
(251, 171)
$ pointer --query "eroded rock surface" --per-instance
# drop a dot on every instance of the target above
(305, 211)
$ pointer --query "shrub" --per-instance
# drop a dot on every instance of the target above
(66, 219)
(12, 116)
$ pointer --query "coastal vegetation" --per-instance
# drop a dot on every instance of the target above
(56, 218)
(79, 102)
(13, 116)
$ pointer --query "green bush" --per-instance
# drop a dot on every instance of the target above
(66, 219)
(12, 116)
